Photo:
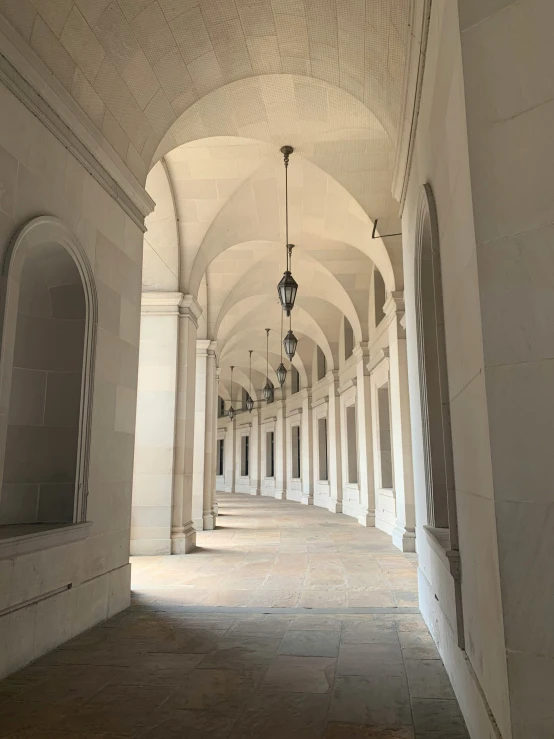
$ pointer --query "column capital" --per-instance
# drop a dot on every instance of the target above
(206, 348)
(394, 304)
(190, 308)
(158, 302)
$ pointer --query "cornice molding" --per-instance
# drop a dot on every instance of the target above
(413, 87)
(348, 385)
(381, 356)
(158, 302)
(394, 304)
(205, 348)
(320, 401)
(294, 412)
(27, 77)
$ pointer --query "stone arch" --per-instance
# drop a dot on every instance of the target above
(46, 269)
(433, 373)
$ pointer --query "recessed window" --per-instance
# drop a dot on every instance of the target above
(44, 471)
(270, 454)
(220, 406)
(322, 448)
(295, 451)
(321, 364)
(352, 444)
(384, 441)
(379, 296)
(295, 380)
(435, 404)
(220, 448)
(348, 339)
(244, 455)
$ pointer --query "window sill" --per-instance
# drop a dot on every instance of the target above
(16, 540)
(439, 540)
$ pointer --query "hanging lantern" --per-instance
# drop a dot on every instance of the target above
(267, 389)
(281, 374)
(249, 401)
(231, 411)
(281, 369)
(287, 287)
(289, 342)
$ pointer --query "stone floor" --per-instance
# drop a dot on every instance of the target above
(288, 622)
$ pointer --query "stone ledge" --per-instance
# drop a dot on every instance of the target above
(16, 540)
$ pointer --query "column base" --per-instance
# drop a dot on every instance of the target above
(280, 495)
(208, 520)
(183, 539)
(367, 518)
(150, 547)
(255, 490)
(307, 499)
(335, 506)
(404, 539)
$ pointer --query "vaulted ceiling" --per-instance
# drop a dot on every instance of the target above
(197, 97)
(135, 66)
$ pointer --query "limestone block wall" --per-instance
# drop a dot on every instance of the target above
(478, 674)
(51, 594)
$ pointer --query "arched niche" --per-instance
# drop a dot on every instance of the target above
(47, 339)
(435, 402)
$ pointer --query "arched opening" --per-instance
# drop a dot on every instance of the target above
(321, 364)
(348, 339)
(379, 296)
(47, 352)
(435, 404)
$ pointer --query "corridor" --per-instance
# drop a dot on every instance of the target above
(287, 622)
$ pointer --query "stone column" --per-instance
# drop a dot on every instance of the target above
(334, 444)
(153, 473)
(204, 437)
(183, 534)
(403, 535)
(230, 456)
(365, 436)
(307, 448)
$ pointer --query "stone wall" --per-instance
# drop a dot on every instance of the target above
(49, 595)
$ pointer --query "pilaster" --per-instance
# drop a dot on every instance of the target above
(204, 437)
(365, 436)
(255, 454)
(183, 534)
(307, 448)
(334, 445)
(281, 450)
(403, 534)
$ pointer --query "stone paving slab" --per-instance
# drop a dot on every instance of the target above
(171, 666)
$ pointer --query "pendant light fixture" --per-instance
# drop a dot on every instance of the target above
(267, 389)
(290, 342)
(249, 401)
(231, 411)
(281, 369)
(287, 287)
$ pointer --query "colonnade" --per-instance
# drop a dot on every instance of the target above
(343, 444)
